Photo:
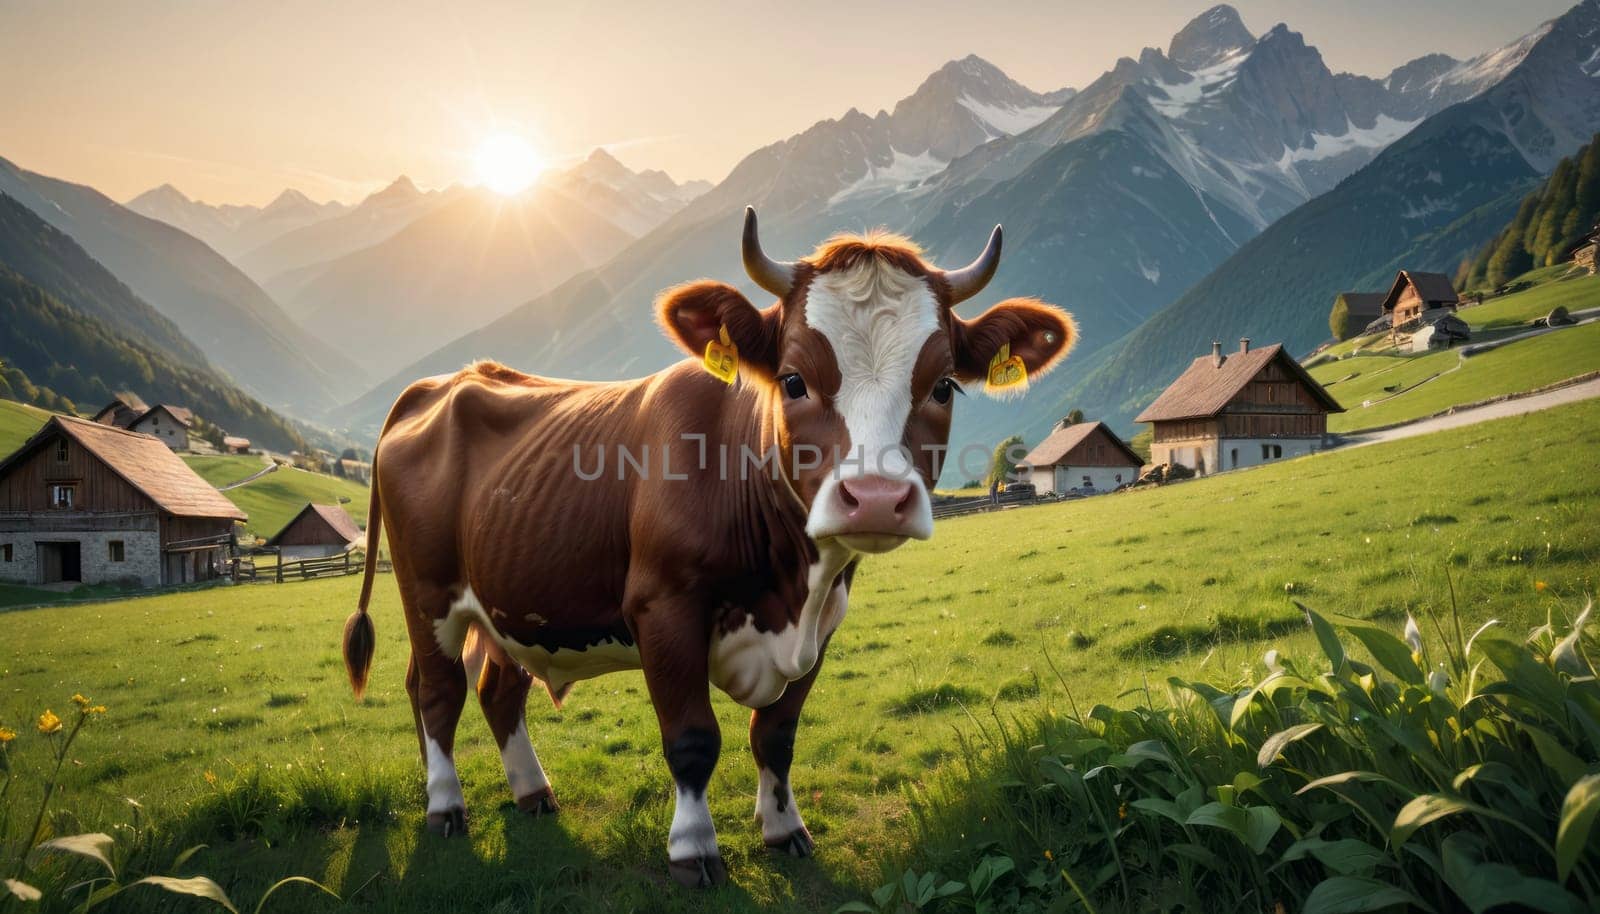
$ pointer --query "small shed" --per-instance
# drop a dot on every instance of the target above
(233, 444)
(1414, 293)
(1355, 311)
(318, 531)
(167, 423)
(1084, 458)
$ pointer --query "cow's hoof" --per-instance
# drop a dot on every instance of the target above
(448, 824)
(539, 803)
(797, 843)
(699, 872)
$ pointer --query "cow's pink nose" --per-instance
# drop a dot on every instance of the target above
(876, 504)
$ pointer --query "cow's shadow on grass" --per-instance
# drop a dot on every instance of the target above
(528, 864)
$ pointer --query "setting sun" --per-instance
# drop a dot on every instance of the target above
(506, 163)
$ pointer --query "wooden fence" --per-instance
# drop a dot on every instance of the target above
(245, 569)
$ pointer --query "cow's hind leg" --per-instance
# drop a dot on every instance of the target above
(772, 731)
(437, 684)
(503, 694)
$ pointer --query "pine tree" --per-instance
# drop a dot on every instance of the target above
(1511, 258)
(1559, 200)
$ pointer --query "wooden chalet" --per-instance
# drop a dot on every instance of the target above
(87, 502)
(1246, 408)
(1583, 254)
(1084, 458)
(234, 444)
(1413, 294)
(318, 531)
(122, 412)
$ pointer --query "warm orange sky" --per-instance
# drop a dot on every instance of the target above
(233, 101)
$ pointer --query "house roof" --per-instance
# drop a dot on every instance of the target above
(184, 416)
(142, 461)
(337, 518)
(1429, 286)
(123, 401)
(1205, 388)
(1590, 237)
(1364, 303)
(1061, 441)
(235, 441)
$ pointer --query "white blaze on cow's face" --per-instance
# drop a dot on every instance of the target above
(876, 321)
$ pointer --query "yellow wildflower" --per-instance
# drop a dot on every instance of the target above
(1540, 586)
(1122, 812)
(49, 722)
(97, 709)
(7, 735)
(80, 701)
(1048, 855)
(211, 778)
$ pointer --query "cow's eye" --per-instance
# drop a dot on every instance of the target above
(794, 386)
(944, 389)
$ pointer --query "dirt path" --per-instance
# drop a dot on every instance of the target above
(271, 467)
(1473, 415)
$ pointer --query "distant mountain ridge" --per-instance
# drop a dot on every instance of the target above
(232, 229)
(236, 324)
(1115, 198)
(77, 330)
(444, 264)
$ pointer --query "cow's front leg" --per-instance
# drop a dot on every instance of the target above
(673, 647)
(772, 731)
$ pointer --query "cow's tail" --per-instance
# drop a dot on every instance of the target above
(359, 639)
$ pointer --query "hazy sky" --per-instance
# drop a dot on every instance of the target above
(232, 101)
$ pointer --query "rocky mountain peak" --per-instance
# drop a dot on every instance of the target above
(1209, 38)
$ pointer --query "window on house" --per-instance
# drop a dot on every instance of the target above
(1271, 451)
(114, 551)
(5, 552)
(1088, 483)
(1119, 477)
(61, 496)
(61, 451)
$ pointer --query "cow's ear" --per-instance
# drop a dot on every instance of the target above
(1037, 333)
(695, 313)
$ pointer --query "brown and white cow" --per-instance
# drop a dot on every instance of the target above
(705, 532)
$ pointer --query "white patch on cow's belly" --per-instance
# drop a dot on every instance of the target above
(557, 669)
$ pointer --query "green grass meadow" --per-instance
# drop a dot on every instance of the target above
(18, 422)
(1019, 613)
(274, 499)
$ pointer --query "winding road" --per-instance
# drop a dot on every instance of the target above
(1533, 403)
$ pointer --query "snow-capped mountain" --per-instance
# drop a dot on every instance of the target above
(1115, 198)
(1429, 199)
(232, 229)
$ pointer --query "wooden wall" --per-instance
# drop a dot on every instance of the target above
(1097, 450)
(26, 487)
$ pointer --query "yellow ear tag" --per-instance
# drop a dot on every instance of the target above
(1006, 370)
(722, 357)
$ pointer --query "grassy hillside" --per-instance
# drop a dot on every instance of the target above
(1099, 596)
(274, 499)
(1401, 386)
(18, 421)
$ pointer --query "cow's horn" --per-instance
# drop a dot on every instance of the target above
(776, 276)
(970, 280)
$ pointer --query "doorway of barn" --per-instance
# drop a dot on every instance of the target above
(60, 563)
